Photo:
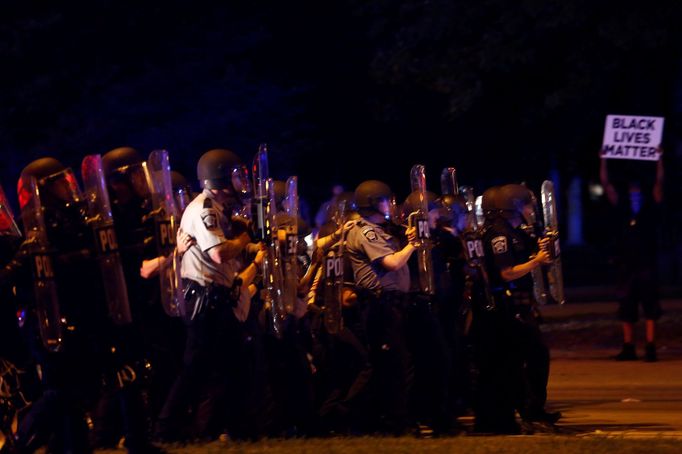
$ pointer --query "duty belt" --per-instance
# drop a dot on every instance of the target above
(209, 296)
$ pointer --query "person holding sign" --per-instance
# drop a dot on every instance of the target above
(636, 193)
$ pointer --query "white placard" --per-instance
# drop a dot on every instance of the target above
(632, 137)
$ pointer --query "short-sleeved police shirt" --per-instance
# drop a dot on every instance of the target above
(366, 245)
(205, 221)
(506, 247)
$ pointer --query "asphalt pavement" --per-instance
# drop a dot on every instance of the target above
(600, 396)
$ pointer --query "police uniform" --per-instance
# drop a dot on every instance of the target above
(290, 374)
(91, 344)
(366, 244)
(449, 265)
(208, 309)
(205, 220)
(341, 360)
(383, 293)
(506, 247)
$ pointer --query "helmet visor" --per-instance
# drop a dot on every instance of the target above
(62, 185)
(135, 176)
(388, 207)
(240, 182)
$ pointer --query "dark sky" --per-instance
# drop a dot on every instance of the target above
(342, 91)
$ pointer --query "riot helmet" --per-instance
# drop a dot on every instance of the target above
(56, 183)
(490, 204)
(374, 196)
(126, 171)
(451, 211)
(222, 169)
(516, 200)
(412, 203)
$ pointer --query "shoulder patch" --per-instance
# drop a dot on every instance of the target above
(210, 218)
(499, 244)
(208, 203)
(370, 234)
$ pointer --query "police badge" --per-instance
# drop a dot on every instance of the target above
(369, 233)
(499, 244)
(209, 219)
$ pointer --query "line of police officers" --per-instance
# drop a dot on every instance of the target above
(363, 349)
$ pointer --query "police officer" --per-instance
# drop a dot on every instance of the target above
(512, 251)
(209, 271)
(497, 372)
(341, 359)
(147, 343)
(289, 365)
(382, 278)
(70, 375)
(447, 219)
(430, 402)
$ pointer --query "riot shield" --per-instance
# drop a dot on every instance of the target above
(475, 257)
(7, 225)
(472, 244)
(538, 274)
(182, 191)
(166, 222)
(479, 216)
(333, 282)
(420, 220)
(555, 276)
(45, 287)
(266, 230)
(470, 199)
(289, 247)
(448, 181)
(260, 174)
(102, 223)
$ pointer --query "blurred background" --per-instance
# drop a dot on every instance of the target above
(342, 91)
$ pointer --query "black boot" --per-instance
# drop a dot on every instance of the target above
(542, 416)
(650, 353)
(627, 354)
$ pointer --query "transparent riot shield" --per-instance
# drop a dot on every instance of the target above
(448, 181)
(45, 287)
(470, 199)
(538, 274)
(265, 211)
(420, 220)
(555, 276)
(166, 223)
(478, 211)
(289, 246)
(333, 282)
(472, 244)
(7, 225)
(102, 223)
